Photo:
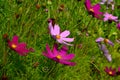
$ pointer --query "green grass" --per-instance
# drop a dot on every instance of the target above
(32, 27)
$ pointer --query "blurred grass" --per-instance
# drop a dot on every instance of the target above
(30, 23)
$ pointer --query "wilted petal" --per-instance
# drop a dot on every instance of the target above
(105, 51)
(111, 43)
(102, 1)
(100, 39)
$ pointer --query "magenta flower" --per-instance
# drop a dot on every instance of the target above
(110, 71)
(95, 10)
(110, 17)
(20, 48)
(59, 56)
(61, 37)
(118, 25)
(100, 39)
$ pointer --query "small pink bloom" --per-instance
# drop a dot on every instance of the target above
(94, 9)
(110, 17)
(110, 71)
(20, 48)
(61, 37)
(60, 56)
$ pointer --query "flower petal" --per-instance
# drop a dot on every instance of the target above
(63, 42)
(56, 30)
(48, 50)
(55, 50)
(68, 39)
(67, 63)
(65, 33)
(87, 4)
(68, 57)
(15, 39)
(100, 39)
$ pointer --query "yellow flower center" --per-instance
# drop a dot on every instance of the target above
(110, 72)
(58, 36)
(91, 10)
(106, 40)
(14, 46)
(58, 57)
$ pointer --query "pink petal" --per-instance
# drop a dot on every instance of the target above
(68, 39)
(65, 33)
(105, 19)
(56, 30)
(47, 55)
(55, 51)
(69, 57)
(67, 63)
(96, 7)
(88, 4)
(48, 50)
(63, 42)
(15, 39)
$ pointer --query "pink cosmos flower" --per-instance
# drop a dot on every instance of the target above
(61, 37)
(118, 25)
(95, 9)
(60, 56)
(110, 17)
(100, 39)
(110, 71)
(20, 48)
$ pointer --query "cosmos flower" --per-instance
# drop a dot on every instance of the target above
(110, 71)
(20, 48)
(61, 37)
(108, 2)
(100, 39)
(105, 51)
(118, 25)
(109, 17)
(59, 56)
(93, 9)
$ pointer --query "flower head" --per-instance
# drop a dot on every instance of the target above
(110, 71)
(118, 25)
(110, 17)
(94, 10)
(60, 56)
(100, 39)
(20, 48)
(61, 37)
